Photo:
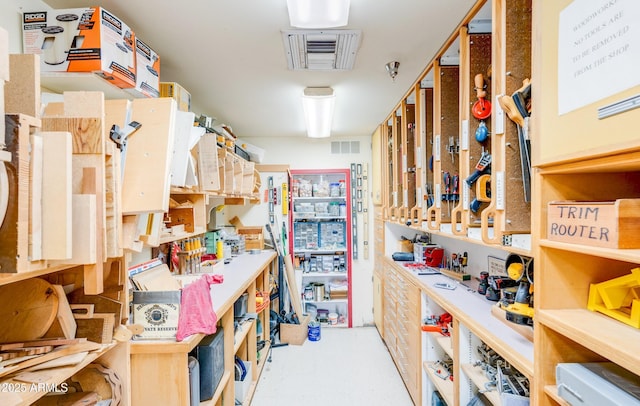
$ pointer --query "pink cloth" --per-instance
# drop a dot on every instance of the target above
(196, 309)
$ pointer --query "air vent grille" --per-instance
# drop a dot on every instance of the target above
(321, 49)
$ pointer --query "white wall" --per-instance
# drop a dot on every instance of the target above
(11, 19)
(306, 153)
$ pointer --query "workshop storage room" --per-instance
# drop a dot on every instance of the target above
(320, 202)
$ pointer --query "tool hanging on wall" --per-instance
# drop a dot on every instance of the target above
(481, 109)
(518, 109)
(483, 192)
(482, 167)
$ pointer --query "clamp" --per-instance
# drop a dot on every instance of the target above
(121, 136)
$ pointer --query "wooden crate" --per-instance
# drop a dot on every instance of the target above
(253, 237)
(611, 224)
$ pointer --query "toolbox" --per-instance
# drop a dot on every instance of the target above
(597, 384)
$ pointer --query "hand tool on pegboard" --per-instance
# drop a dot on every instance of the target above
(482, 167)
(446, 183)
(518, 106)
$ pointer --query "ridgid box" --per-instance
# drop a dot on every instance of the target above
(613, 224)
(147, 71)
(82, 40)
(158, 312)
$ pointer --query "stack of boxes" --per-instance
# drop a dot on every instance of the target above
(92, 39)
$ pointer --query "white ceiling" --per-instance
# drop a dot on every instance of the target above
(229, 55)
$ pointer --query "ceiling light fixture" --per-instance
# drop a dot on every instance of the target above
(318, 13)
(392, 69)
(318, 103)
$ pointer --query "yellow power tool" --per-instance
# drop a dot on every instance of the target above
(520, 310)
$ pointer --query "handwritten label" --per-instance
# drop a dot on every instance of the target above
(581, 222)
(598, 51)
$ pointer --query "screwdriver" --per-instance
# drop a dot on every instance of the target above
(446, 180)
(455, 181)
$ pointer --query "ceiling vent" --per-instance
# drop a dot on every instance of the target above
(321, 49)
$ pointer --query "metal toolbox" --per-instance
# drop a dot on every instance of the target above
(597, 384)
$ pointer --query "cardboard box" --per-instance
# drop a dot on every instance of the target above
(177, 92)
(613, 224)
(253, 237)
(147, 71)
(158, 312)
(295, 334)
(87, 39)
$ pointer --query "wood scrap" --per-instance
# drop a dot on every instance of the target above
(64, 325)
(102, 380)
(21, 352)
(72, 359)
(98, 328)
(55, 354)
(69, 399)
(27, 309)
(32, 343)
(82, 311)
(33, 377)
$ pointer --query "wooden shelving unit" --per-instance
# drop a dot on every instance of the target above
(479, 380)
(573, 161)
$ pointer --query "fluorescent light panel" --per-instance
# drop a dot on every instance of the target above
(318, 104)
(318, 13)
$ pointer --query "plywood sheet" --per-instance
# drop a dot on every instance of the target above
(208, 163)
(84, 229)
(181, 151)
(84, 104)
(22, 91)
(35, 203)
(87, 133)
(145, 184)
(116, 112)
(14, 231)
(56, 196)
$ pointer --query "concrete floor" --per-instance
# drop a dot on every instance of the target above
(346, 367)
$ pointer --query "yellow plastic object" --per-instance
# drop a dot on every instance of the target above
(483, 188)
(618, 298)
(515, 270)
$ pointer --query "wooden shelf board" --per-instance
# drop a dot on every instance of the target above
(601, 334)
(444, 342)
(171, 238)
(552, 391)
(241, 333)
(479, 379)
(165, 346)
(53, 376)
(60, 82)
(467, 239)
(445, 387)
(6, 278)
(629, 255)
